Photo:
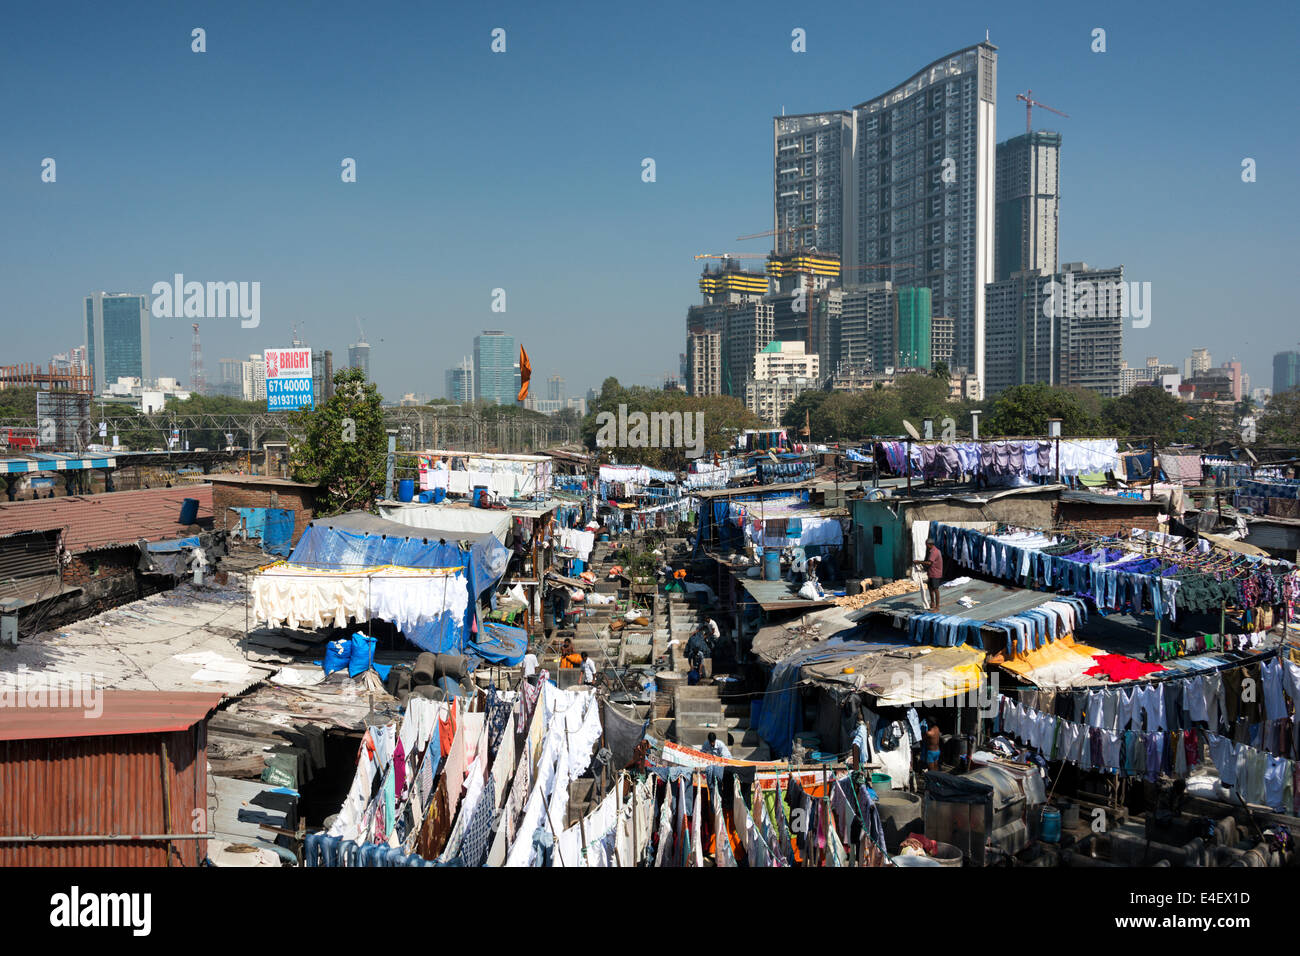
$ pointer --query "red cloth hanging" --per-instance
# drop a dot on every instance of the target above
(1117, 667)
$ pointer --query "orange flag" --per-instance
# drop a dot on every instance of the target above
(525, 372)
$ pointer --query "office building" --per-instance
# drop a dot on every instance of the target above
(459, 382)
(785, 359)
(912, 328)
(1236, 375)
(704, 362)
(1028, 186)
(555, 389)
(117, 337)
(359, 357)
(769, 398)
(915, 184)
(1199, 361)
(1286, 371)
(1152, 374)
(1061, 328)
(735, 310)
(812, 159)
(941, 340)
(877, 328)
(496, 368)
(254, 378)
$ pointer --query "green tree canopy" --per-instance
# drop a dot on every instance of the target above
(1279, 424)
(1025, 409)
(344, 446)
(1147, 410)
(724, 418)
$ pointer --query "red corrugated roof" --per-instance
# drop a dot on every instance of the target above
(97, 521)
(119, 712)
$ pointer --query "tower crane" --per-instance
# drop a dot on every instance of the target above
(1028, 98)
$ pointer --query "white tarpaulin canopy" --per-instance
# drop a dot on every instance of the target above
(449, 522)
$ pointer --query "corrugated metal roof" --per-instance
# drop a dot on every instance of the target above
(119, 712)
(100, 521)
(259, 480)
(88, 786)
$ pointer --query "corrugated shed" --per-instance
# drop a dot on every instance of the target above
(99, 521)
(96, 785)
(114, 712)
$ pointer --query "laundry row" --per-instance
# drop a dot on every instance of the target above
(308, 598)
(1002, 460)
(1023, 632)
(1260, 777)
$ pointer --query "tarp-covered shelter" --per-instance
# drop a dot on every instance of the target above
(359, 540)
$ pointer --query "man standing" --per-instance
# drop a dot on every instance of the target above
(559, 606)
(588, 669)
(932, 747)
(933, 565)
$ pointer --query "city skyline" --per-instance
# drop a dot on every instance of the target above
(267, 204)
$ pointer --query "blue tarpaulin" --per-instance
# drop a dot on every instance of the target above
(176, 544)
(361, 540)
(278, 531)
(781, 715)
(274, 526)
(500, 644)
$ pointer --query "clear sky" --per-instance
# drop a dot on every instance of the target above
(522, 170)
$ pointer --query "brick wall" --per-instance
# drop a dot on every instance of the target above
(225, 495)
(107, 579)
(1102, 519)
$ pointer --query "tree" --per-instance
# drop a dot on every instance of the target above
(1280, 422)
(567, 416)
(344, 446)
(1146, 410)
(1025, 409)
(723, 418)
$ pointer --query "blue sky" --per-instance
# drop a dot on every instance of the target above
(522, 170)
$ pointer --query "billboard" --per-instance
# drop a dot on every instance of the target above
(288, 379)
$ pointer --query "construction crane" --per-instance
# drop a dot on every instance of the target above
(1028, 98)
(776, 232)
(743, 255)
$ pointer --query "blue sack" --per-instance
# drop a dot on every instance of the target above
(363, 657)
(363, 654)
(337, 655)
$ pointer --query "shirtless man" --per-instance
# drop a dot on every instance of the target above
(932, 751)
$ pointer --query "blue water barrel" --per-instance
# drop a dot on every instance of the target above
(438, 495)
(405, 489)
(1051, 832)
(189, 511)
(772, 564)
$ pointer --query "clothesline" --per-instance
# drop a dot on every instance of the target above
(1260, 777)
